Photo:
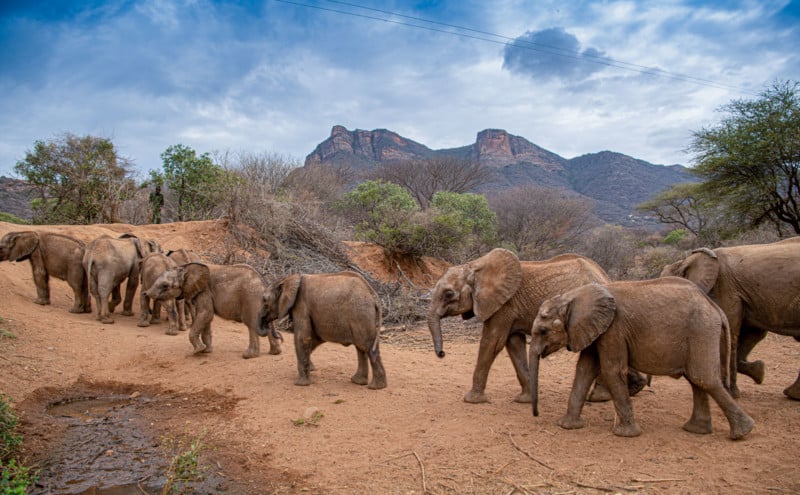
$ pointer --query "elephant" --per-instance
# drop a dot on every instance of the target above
(181, 257)
(233, 292)
(329, 307)
(54, 255)
(757, 286)
(150, 267)
(505, 293)
(665, 326)
(108, 261)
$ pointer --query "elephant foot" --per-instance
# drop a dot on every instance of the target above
(359, 379)
(570, 423)
(250, 353)
(377, 384)
(155, 321)
(474, 397)
(311, 366)
(629, 430)
(143, 323)
(171, 331)
(76, 310)
(127, 313)
(275, 350)
(106, 320)
(742, 428)
(199, 348)
(700, 427)
(793, 392)
(754, 370)
(41, 301)
(599, 393)
(303, 382)
(523, 398)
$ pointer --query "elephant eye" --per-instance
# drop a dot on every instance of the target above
(449, 295)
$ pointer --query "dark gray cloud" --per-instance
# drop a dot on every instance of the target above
(552, 54)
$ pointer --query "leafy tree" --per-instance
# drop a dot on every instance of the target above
(196, 181)
(424, 178)
(76, 179)
(750, 159)
(471, 211)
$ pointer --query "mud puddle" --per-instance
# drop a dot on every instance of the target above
(116, 439)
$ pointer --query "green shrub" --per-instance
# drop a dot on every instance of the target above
(10, 218)
(15, 478)
(675, 236)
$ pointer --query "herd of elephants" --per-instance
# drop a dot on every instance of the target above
(699, 320)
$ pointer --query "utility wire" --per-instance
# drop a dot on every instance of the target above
(514, 42)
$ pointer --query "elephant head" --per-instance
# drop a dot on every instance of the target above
(183, 282)
(478, 288)
(18, 246)
(573, 319)
(278, 300)
(143, 246)
(701, 267)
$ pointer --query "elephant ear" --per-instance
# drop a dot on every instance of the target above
(590, 310)
(288, 288)
(701, 267)
(496, 277)
(194, 279)
(22, 245)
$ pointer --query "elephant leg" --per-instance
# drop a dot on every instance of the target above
(180, 314)
(155, 315)
(585, 372)
(793, 391)
(144, 310)
(206, 337)
(635, 380)
(378, 373)
(254, 345)
(78, 300)
(275, 344)
(42, 281)
(624, 424)
(700, 422)
(303, 345)
(172, 316)
(515, 346)
(130, 290)
(740, 422)
(201, 325)
(490, 347)
(361, 376)
(116, 298)
(748, 338)
(105, 290)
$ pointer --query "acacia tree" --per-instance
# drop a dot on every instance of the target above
(537, 221)
(751, 159)
(76, 179)
(424, 178)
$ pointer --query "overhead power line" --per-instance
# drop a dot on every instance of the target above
(476, 34)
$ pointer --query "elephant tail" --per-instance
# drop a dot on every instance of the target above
(378, 321)
(726, 353)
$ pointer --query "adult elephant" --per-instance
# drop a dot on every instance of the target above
(758, 288)
(54, 255)
(108, 261)
(505, 294)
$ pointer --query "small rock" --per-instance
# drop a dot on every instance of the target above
(135, 395)
(310, 412)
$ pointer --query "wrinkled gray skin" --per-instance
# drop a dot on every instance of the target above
(233, 292)
(666, 326)
(757, 287)
(150, 267)
(505, 295)
(54, 255)
(108, 262)
(329, 307)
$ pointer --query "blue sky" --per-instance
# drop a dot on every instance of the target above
(274, 76)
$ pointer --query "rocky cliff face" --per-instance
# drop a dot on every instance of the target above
(365, 148)
(497, 148)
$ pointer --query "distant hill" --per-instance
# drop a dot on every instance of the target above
(15, 198)
(616, 182)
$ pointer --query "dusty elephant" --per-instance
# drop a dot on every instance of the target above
(505, 295)
(329, 307)
(181, 257)
(757, 286)
(233, 292)
(54, 255)
(108, 261)
(666, 326)
(150, 268)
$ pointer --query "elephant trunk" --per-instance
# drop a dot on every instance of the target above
(435, 326)
(534, 382)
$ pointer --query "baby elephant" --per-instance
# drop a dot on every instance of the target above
(664, 326)
(329, 307)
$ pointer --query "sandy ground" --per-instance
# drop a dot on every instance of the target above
(415, 436)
